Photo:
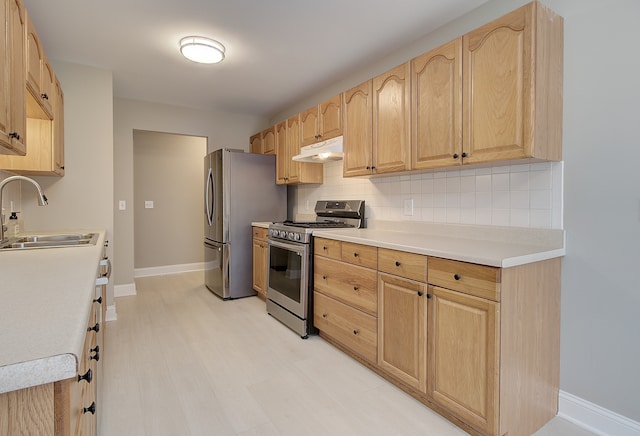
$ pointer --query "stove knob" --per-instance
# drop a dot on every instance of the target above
(297, 236)
(290, 235)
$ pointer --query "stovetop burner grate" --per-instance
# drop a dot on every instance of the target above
(317, 224)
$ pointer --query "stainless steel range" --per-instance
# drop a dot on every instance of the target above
(290, 272)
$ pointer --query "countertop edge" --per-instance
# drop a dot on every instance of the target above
(37, 372)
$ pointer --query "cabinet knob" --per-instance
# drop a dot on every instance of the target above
(429, 296)
(457, 276)
(355, 254)
(91, 409)
(373, 167)
(464, 154)
(355, 288)
(44, 96)
(356, 331)
(324, 315)
(324, 247)
(88, 376)
(397, 263)
(95, 357)
(15, 135)
(96, 349)
(420, 293)
(455, 155)
(62, 167)
(367, 167)
(98, 300)
(95, 328)
(324, 277)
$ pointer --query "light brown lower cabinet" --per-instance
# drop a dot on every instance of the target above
(63, 408)
(480, 345)
(260, 255)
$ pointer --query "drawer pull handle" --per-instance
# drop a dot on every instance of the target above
(98, 300)
(397, 263)
(88, 376)
(95, 328)
(355, 288)
(355, 332)
(91, 409)
(355, 254)
(420, 293)
(457, 276)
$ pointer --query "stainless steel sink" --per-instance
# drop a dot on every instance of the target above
(49, 241)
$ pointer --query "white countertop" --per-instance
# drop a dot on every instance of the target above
(45, 297)
(486, 245)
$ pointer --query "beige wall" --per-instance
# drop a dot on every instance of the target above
(600, 298)
(168, 171)
(220, 129)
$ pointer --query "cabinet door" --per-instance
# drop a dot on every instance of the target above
(309, 126)
(391, 118)
(497, 86)
(402, 339)
(269, 141)
(4, 80)
(357, 132)
(436, 103)
(255, 143)
(293, 148)
(35, 56)
(282, 153)
(463, 356)
(259, 266)
(330, 122)
(17, 110)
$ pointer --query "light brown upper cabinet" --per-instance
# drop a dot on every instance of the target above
(269, 140)
(376, 125)
(358, 131)
(13, 126)
(289, 171)
(321, 122)
(512, 87)
(255, 143)
(391, 118)
(436, 107)
(40, 76)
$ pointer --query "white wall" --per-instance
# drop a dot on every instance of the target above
(83, 197)
(220, 129)
(600, 331)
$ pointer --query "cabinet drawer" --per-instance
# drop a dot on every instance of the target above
(358, 254)
(479, 280)
(352, 328)
(260, 233)
(403, 264)
(328, 248)
(354, 285)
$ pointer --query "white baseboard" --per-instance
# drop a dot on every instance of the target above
(124, 290)
(168, 269)
(594, 418)
(111, 314)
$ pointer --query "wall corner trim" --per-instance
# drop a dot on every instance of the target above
(595, 418)
(124, 291)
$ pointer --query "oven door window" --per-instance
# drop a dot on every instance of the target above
(288, 276)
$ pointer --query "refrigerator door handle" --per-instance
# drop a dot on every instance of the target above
(209, 189)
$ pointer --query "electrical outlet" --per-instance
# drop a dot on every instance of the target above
(122, 205)
(408, 207)
(148, 204)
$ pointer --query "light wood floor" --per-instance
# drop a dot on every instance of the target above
(180, 361)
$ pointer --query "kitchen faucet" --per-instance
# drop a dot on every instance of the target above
(42, 199)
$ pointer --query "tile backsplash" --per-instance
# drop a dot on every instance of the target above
(525, 195)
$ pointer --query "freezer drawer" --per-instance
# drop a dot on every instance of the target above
(216, 268)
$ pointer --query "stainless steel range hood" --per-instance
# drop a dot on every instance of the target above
(320, 152)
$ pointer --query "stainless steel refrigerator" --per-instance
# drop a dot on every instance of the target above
(239, 188)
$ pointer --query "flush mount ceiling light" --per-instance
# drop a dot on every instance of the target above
(202, 50)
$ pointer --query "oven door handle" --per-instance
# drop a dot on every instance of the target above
(298, 248)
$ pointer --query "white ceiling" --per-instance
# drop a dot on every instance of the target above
(278, 51)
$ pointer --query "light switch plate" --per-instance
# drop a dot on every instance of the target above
(122, 205)
(148, 204)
